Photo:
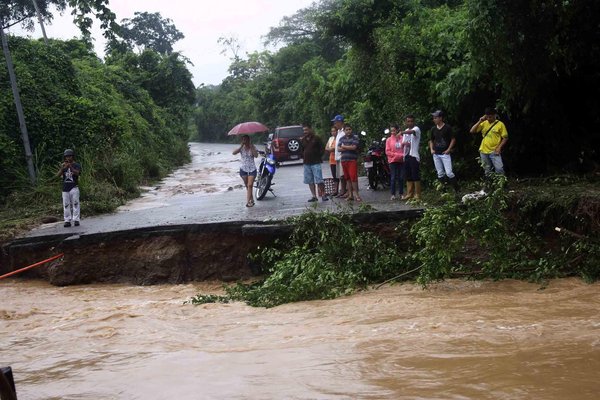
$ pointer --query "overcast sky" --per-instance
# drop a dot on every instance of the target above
(201, 21)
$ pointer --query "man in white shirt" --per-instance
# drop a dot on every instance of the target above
(412, 139)
(338, 122)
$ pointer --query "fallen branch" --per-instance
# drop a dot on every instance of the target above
(399, 276)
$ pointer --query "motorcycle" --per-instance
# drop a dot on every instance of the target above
(376, 165)
(264, 176)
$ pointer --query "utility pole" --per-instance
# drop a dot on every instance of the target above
(41, 21)
(17, 98)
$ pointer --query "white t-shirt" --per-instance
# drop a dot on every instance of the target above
(415, 141)
(340, 134)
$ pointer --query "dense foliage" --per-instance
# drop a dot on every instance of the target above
(126, 118)
(325, 257)
(376, 61)
(498, 236)
(23, 12)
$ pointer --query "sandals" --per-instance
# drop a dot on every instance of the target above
(250, 203)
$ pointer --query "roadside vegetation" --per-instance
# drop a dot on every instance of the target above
(505, 235)
(126, 118)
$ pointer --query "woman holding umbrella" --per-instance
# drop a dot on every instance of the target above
(248, 153)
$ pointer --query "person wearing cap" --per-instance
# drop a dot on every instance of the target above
(441, 143)
(494, 137)
(70, 171)
(338, 123)
(330, 148)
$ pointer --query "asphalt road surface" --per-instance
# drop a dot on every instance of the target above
(209, 190)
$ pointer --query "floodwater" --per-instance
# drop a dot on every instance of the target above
(454, 340)
(213, 169)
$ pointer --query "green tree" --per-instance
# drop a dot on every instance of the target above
(147, 31)
(23, 12)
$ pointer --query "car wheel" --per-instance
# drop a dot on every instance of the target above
(293, 145)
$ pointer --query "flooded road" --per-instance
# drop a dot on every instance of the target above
(454, 340)
(213, 169)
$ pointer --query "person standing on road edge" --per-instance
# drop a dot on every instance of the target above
(70, 171)
(395, 155)
(494, 137)
(330, 147)
(248, 153)
(312, 159)
(348, 147)
(338, 123)
(411, 137)
(441, 143)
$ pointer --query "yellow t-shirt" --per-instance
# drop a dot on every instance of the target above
(493, 138)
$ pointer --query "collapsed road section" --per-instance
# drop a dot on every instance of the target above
(165, 254)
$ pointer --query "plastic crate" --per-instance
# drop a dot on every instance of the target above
(330, 186)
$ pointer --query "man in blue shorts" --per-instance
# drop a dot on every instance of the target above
(313, 157)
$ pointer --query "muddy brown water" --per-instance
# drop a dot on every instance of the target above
(454, 340)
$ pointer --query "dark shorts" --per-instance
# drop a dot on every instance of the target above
(412, 169)
(244, 173)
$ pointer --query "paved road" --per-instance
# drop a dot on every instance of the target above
(209, 190)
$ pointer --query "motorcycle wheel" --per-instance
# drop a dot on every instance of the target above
(372, 177)
(263, 185)
(385, 178)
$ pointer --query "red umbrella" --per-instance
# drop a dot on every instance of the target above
(246, 128)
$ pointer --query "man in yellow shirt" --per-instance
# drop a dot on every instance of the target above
(495, 137)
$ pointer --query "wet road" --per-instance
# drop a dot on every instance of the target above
(209, 189)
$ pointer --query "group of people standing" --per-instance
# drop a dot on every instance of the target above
(401, 149)
(402, 152)
(343, 147)
(442, 141)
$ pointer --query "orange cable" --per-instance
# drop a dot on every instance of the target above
(37, 264)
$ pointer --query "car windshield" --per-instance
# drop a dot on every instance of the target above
(291, 132)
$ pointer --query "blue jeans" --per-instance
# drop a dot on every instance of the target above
(396, 175)
(443, 165)
(492, 160)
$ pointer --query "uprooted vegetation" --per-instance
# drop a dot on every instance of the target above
(504, 235)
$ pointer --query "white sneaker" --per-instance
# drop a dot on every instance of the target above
(393, 198)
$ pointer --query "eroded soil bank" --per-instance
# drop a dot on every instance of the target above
(170, 254)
